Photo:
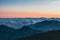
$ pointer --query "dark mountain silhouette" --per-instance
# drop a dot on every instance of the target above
(27, 31)
(46, 25)
(5, 28)
(51, 35)
(7, 33)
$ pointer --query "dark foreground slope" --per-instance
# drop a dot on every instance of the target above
(51, 35)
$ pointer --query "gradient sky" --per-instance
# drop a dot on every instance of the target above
(29, 8)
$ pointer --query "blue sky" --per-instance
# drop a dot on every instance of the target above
(10, 2)
(34, 6)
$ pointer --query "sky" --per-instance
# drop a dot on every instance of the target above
(29, 8)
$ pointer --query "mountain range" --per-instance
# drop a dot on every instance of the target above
(46, 25)
(17, 23)
(9, 33)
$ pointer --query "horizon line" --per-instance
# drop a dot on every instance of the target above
(29, 17)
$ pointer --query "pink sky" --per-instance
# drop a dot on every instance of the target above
(26, 14)
(29, 8)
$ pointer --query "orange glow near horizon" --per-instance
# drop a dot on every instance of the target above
(27, 14)
(30, 8)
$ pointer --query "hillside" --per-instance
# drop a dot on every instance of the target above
(7, 33)
(51, 35)
(46, 25)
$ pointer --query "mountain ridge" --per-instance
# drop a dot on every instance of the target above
(26, 31)
(49, 25)
(19, 22)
